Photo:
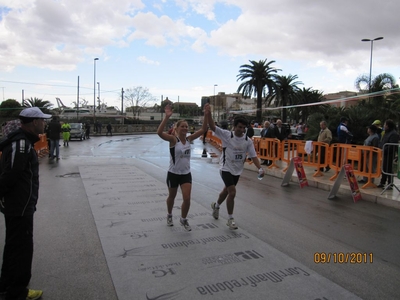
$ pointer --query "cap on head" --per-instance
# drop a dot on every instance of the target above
(376, 122)
(30, 113)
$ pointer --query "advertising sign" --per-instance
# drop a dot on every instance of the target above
(355, 191)
(300, 171)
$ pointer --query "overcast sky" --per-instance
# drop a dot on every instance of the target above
(183, 48)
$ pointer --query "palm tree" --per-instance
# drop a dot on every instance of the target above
(44, 105)
(379, 83)
(286, 89)
(306, 96)
(256, 77)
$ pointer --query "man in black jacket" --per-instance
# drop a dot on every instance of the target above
(280, 132)
(19, 189)
(267, 132)
(54, 135)
(389, 152)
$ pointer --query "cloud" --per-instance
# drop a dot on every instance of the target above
(307, 30)
(145, 60)
(56, 34)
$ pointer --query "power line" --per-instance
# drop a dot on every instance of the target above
(57, 85)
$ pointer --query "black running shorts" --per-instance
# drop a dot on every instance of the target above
(175, 180)
(229, 179)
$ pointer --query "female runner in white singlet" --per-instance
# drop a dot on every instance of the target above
(179, 168)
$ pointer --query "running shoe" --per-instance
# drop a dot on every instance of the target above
(170, 222)
(34, 294)
(215, 209)
(231, 223)
(185, 224)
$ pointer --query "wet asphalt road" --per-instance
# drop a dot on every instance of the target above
(69, 262)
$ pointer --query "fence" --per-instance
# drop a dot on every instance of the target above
(365, 161)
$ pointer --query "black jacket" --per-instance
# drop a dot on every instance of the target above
(54, 130)
(391, 137)
(267, 133)
(280, 135)
(19, 174)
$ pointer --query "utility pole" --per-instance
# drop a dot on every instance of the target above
(77, 102)
(161, 107)
(122, 105)
(98, 93)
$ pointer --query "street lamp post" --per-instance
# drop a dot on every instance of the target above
(94, 90)
(98, 94)
(215, 101)
(370, 62)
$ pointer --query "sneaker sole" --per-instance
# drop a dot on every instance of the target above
(187, 229)
(230, 227)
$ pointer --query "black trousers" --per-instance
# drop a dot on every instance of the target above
(17, 256)
(387, 167)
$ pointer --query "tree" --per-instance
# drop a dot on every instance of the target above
(44, 105)
(10, 108)
(138, 97)
(287, 86)
(379, 83)
(256, 78)
(306, 96)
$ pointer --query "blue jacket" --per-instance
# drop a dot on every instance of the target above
(344, 136)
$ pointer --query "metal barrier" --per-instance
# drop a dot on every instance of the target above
(293, 148)
(215, 141)
(365, 161)
(41, 146)
(389, 166)
(268, 149)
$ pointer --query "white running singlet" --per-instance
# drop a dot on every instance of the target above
(234, 150)
(179, 162)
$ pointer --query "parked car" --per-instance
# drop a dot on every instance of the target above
(77, 131)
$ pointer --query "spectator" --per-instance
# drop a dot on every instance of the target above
(279, 131)
(379, 129)
(19, 191)
(324, 136)
(300, 130)
(343, 133)
(344, 137)
(87, 130)
(54, 135)
(388, 152)
(66, 128)
(109, 129)
(267, 132)
(372, 140)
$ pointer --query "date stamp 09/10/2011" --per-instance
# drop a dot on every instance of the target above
(343, 257)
